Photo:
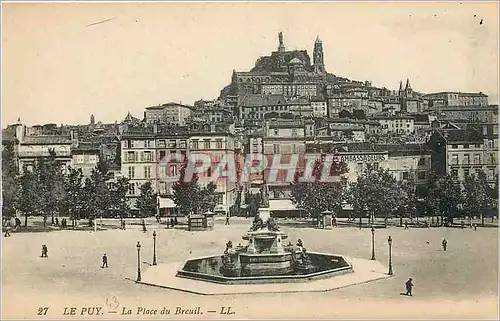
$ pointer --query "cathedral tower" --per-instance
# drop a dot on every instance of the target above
(281, 46)
(318, 62)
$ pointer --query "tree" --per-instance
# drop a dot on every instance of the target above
(317, 196)
(98, 191)
(146, 202)
(118, 197)
(207, 198)
(376, 191)
(443, 196)
(359, 114)
(30, 200)
(345, 114)
(10, 182)
(51, 178)
(74, 201)
(475, 192)
(89, 197)
(185, 193)
(407, 201)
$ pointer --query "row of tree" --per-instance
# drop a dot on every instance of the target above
(44, 190)
(377, 193)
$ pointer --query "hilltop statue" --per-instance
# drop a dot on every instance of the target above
(280, 37)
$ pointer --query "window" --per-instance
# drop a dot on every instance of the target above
(162, 154)
(255, 148)
(491, 144)
(182, 143)
(147, 143)
(130, 157)
(466, 159)
(131, 172)
(294, 132)
(493, 158)
(375, 166)
(218, 143)
(454, 159)
(421, 175)
(173, 170)
(466, 145)
(195, 144)
(276, 148)
(421, 161)
(477, 159)
(466, 172)
(406, 175)
(80, 159)
(93, 159)
(454, 146)
(172, 143)
(130, 144)
(477, 145)
(276, 132)
(131, 189)
(147, 156)
(491, 173)
(206, 144)
(161, 143)
(147, 172)
(359, 167)
(454, 173)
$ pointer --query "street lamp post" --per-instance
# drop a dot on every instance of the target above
(373, 243)
(154, 247)
(138, 261)
(389, 240)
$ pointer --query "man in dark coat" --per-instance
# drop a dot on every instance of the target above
(104, 261)
(444, 244)
(409, 286)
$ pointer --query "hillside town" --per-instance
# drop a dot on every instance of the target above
(287, 104)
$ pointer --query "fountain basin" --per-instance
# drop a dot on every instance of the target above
(211, 268)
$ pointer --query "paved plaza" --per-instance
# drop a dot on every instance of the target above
(459, 283)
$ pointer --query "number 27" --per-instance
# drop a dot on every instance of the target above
(42, 311)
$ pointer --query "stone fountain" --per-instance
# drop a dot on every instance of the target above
(265, 258)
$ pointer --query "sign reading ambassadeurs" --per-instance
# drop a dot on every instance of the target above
(277, 168)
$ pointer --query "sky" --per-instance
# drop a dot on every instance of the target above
(59, 66)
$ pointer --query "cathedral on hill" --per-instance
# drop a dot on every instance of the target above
(286, 73)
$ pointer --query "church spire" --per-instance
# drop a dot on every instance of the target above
(318, 60)
(400, 85)
(407, 84)
(281, 46)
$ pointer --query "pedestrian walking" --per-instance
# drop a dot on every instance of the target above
(409, 286)
(172, 222)
(175, 221)
(475, 227)
(45, 251)
(227, 220)
(57, 221)
(462, 224)
(143, 226)
(7, 232)
(406, 225)
(444, 243)
(104, 261)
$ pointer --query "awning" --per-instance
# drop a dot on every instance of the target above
(167, 203)
(282, 205)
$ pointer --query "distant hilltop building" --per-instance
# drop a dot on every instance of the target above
(287, 73)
